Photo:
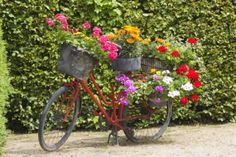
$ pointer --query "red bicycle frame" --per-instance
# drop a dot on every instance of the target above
(115, 118)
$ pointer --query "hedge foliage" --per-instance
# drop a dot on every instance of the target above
(4, 89)
(33, 53)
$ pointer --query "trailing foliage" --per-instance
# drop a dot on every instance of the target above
(4, 90)
(33, 53)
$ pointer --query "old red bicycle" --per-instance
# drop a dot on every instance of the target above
(59, 116)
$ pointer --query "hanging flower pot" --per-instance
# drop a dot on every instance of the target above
(76, 62)
(127, 64)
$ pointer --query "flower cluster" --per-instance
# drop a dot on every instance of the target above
(130, 41)
(108, 46)
(128, 88)
(184, 82)
(189, 73)
(193, 77)
(180, 83)
(97, 44)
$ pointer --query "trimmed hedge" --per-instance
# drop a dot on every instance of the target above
(4, 90)
(33, 53)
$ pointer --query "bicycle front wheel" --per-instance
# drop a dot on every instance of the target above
(56, 122)
(146, 123)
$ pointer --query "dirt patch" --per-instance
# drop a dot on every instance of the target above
(178, 141)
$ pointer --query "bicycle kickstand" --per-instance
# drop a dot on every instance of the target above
(114, 136)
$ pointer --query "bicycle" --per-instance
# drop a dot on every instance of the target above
(64, 107)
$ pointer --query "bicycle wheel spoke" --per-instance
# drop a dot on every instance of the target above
(54, 129)
(146, 129)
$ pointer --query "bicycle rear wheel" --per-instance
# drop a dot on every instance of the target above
(55, 127)
(150, 122)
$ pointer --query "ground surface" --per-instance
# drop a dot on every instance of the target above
(178, 141)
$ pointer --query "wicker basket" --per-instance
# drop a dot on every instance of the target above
(153, 63)
(150, 63)
(75, 62)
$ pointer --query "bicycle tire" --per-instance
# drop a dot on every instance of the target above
(46, 112)
(145, 134)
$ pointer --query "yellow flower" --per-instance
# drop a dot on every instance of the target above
(130, 40)
(158, 72)
(87, 38)
(78, 33)
(167, 44)
(131, 29)
(120, 32)
(159, 40)
(139, 38)
(136, 37)
(146, 41)
(112, 36)
(152, 70)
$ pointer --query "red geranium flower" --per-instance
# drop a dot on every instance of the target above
(175, 54)
(192, 74)
(192, 40)
(195, 97)
(197, 84)
(182, 69)
(74, 30)
(184, 100)
(162, 49)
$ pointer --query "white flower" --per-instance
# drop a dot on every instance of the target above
(188, 86)
(165, 72)
(173, 94)
(167, 79)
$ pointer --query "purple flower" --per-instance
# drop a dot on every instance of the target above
(124, 93)
(131, 89)
(128, 83)
(124, 101)
(155, 77)
(159, 89)
(158, 100)
(121, 78)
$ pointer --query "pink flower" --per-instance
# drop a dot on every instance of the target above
(103, 39)
(86, 25)
(158, 100)
(155, 77)
(113, 47)
(112, 56)
(65, 27)
(74, 30)
(106, 46)
(61, 18)
(97, 31)
(50, 22)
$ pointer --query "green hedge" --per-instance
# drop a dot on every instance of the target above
(33, 53)
(4, 89)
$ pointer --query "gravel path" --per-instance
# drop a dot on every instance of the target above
(178, 141)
